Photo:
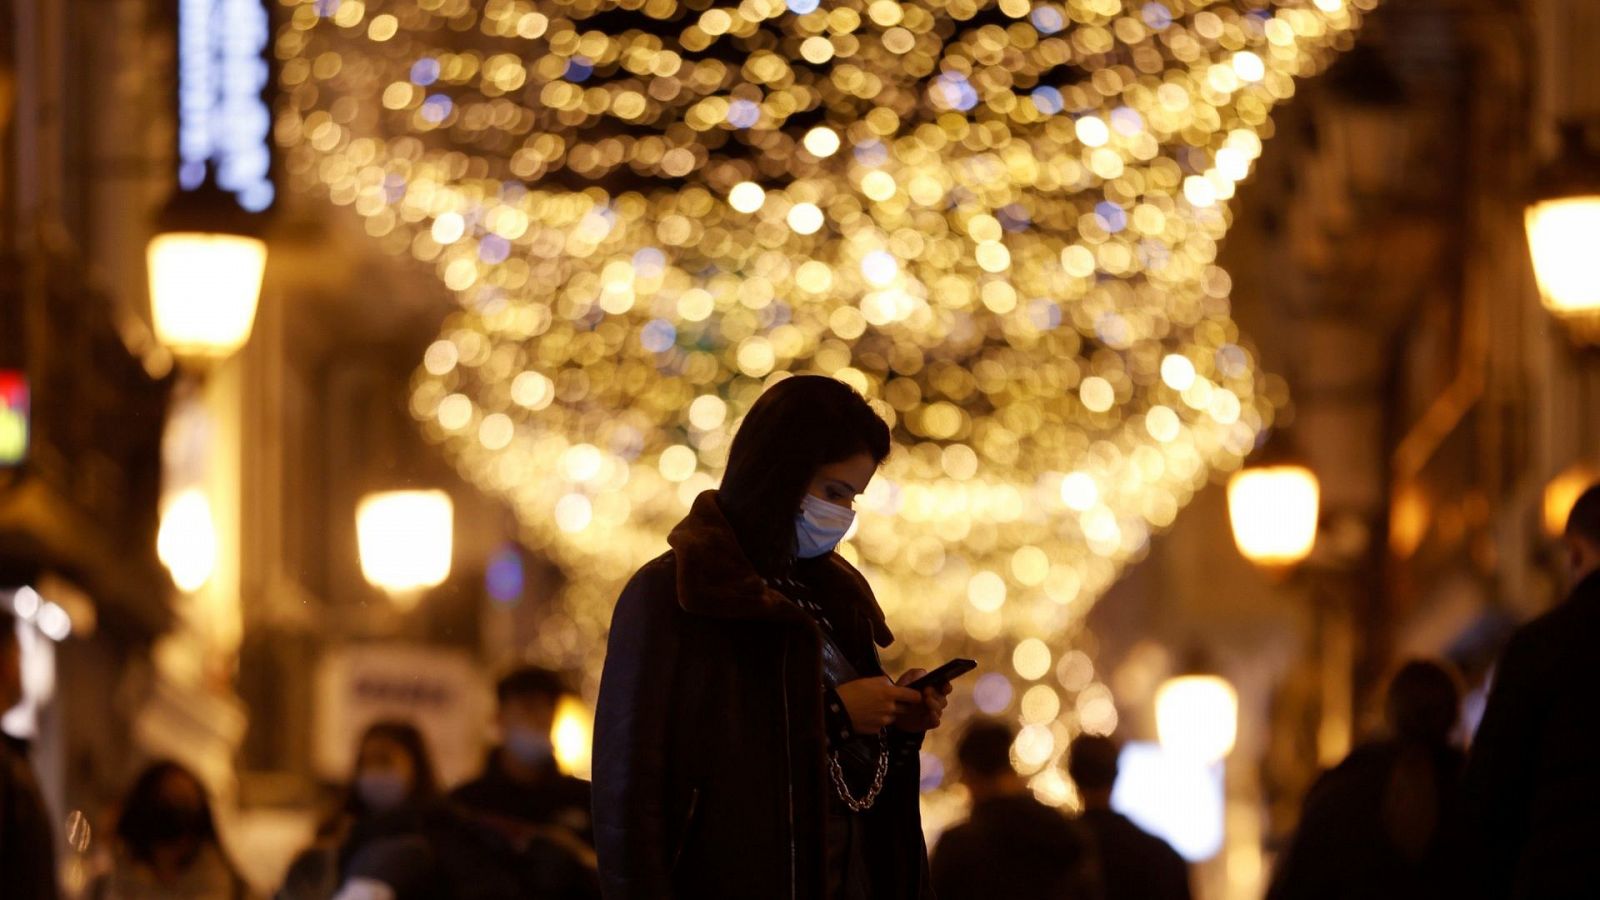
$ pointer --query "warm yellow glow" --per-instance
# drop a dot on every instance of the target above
(1274, 513)
(186, 541)
(573, 737)
(204, 289)
(1564, 239)
(982, 225)
(405, 539)
(1562, 492)
(1197, 717)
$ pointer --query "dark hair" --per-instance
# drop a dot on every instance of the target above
(147, 820)
(424, 786)
(985, 748)
(1424, 702)
(1584, 520)
(798, 426)
(1092, 762)
(530, 681)
(8, 627)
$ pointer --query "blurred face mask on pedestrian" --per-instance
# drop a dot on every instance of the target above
(526, 723)
(826, 511)
(385, 774)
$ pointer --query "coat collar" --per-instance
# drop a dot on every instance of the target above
(716, 579)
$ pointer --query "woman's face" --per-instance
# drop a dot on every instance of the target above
(842, 482)
(381, 755)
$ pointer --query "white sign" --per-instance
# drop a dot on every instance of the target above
(439, 690)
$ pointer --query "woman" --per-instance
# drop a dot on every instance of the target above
(167, 845)
(1378, 825)
(747, 741)
(392, 788)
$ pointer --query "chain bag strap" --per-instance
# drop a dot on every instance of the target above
(843, 788)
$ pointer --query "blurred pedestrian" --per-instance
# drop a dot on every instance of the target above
(1533, 775)
(747, 741)
(1134, 864)
(391, 787)
(27, 847)
(166, 843)
(1012, 845)
(521, 782)
(1374, 827)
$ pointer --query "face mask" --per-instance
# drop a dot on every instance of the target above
(820, 526)
(529, 747)
(381, 791)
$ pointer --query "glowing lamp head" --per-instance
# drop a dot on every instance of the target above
(1563, 225)
(573, 736)
(1564, 241)
(186, 540)
(405, 539)
(204, 288)
(1197, 717)
(1274, 511)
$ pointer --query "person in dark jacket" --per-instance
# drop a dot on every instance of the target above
(747, 741)
(27, 847)
(1134, 864)
(1012, 845)
(392, 787)
(1376, 825)
(521, 783)
(1533, 772)
(167, 844)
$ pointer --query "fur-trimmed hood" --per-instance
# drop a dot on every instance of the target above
(715, 577)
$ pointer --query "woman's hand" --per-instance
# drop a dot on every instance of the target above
(925, 714)
(874, 703)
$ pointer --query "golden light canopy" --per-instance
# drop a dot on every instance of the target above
(998, 220)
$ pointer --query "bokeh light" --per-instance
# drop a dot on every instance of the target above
(998, 221)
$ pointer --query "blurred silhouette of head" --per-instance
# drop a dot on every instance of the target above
(1092, 763)
(1424, 702)
(166, 811)
(1583, 534)
(393, 768)
(984, 754)
(528, 697)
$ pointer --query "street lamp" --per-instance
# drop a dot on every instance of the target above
(205, 263)
(1563, 225)
(405, 540)
(1197, 717)
(1273, 510)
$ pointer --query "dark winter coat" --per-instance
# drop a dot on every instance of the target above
(27, 849)
(1533, 775)
(709, 753)
(1016, 847)
(1134, 864)
(1375, 827)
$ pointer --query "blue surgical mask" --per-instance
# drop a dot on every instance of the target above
(381, 790)
(820, 526)
(529, 747)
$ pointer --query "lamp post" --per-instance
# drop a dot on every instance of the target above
(405, 540)
(1563, 225)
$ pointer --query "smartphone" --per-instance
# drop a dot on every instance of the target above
(950, 671)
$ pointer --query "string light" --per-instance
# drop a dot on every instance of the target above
(998, 220)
